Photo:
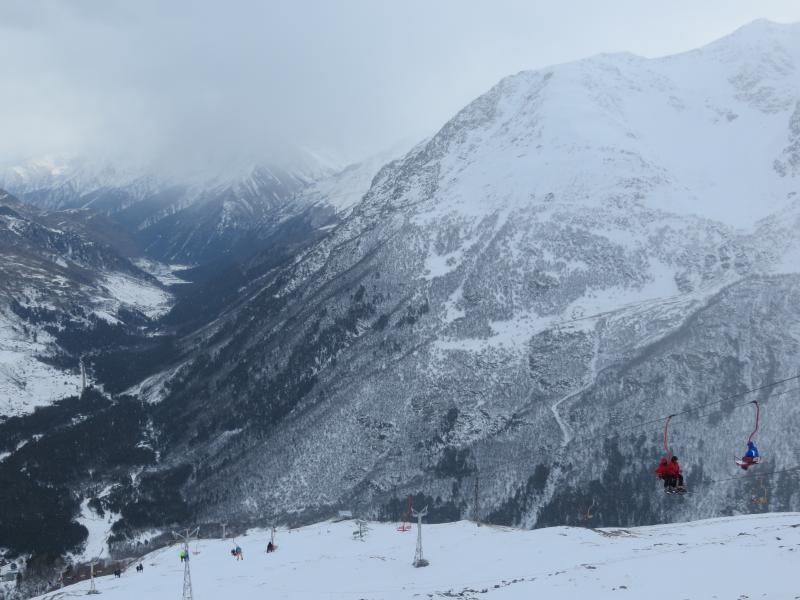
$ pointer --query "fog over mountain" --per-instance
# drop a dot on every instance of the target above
(183, 86)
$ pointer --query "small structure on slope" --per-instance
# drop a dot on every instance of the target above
(187, 576)
(419, 558)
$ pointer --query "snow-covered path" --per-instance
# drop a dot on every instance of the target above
(728, 558)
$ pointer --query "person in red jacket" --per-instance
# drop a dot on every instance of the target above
(674, 475)
(661, 470)
(669, 471)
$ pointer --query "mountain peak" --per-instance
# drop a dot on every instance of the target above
(762, 26)
(761, 35)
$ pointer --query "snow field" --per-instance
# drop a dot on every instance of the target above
(26, 382)
(148, 299)
(701, 560)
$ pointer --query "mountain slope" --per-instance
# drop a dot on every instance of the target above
(510, 307)
(505, 287)
(65, 292)
(190, 219)
(487, 562)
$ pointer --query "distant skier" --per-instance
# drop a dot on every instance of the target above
(139, 568)
(237, 553)
(184, 556)
(270, 547)
(750, 457)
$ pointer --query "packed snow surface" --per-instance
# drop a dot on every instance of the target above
(700, 560)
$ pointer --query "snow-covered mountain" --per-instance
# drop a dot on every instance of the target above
(188, 218)
(345, 188)
(584, 246)
(63, 284)
(89, 217)
(581, 250)
(469, 562)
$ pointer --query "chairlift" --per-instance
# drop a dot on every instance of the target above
(674, 482)
(752, 456)
(667, 449)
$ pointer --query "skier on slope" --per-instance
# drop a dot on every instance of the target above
(750, 457)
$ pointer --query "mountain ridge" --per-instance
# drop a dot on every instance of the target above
(582, 246)
(440, 263)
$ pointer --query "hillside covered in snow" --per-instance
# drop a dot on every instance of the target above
(68, 288)
(188, 218)
(497, 323)
(582, 249)
(739, 558)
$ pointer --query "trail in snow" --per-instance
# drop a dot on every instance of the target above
(566, 434)
(702, 297)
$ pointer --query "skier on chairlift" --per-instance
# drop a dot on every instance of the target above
(750, 457)
(669, 470)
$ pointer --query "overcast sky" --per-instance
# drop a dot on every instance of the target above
(208, 82)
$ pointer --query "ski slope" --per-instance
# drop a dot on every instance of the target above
(703, 560)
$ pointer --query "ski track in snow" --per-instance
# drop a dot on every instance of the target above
(560, 563)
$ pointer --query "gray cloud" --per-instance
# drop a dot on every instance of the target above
(206, 82)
